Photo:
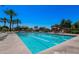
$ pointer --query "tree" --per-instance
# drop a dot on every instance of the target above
(56, 25)
(65, 23)
(77, 24)
(62, 23)
(17, 21)
(25, 28)
(11, 13)
(44, 29)
(5, 28)
(68, 22)
(4, 20)
(0, 28)
(1, 20)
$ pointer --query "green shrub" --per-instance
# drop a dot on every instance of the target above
(76, 31)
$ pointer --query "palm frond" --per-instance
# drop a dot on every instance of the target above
(10, 12)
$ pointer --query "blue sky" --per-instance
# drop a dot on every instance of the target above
(42, 15)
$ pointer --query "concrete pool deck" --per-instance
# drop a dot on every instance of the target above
(68, 47)
(13, 45)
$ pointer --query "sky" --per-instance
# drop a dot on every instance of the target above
(42, 15)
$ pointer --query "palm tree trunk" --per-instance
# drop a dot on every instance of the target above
(10, 23)
(12, 26)
(17, 24)
(4, 23)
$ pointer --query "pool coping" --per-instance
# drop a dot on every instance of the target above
(24, 45)
(68, 34)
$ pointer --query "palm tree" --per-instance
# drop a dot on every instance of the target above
(17, 21)
(13, 22)
(1, 20)
(4, 20)
(0, 28)
(11, 13)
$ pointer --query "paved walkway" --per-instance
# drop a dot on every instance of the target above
(12, 45)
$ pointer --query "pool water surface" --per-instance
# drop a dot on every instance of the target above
(37, 42)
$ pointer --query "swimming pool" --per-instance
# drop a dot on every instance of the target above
(37, 42)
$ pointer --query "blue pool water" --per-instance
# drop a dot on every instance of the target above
(37, 42)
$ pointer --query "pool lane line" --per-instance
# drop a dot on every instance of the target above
(52, 37)
(43, 39)
(40, 42)
(40, 39)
